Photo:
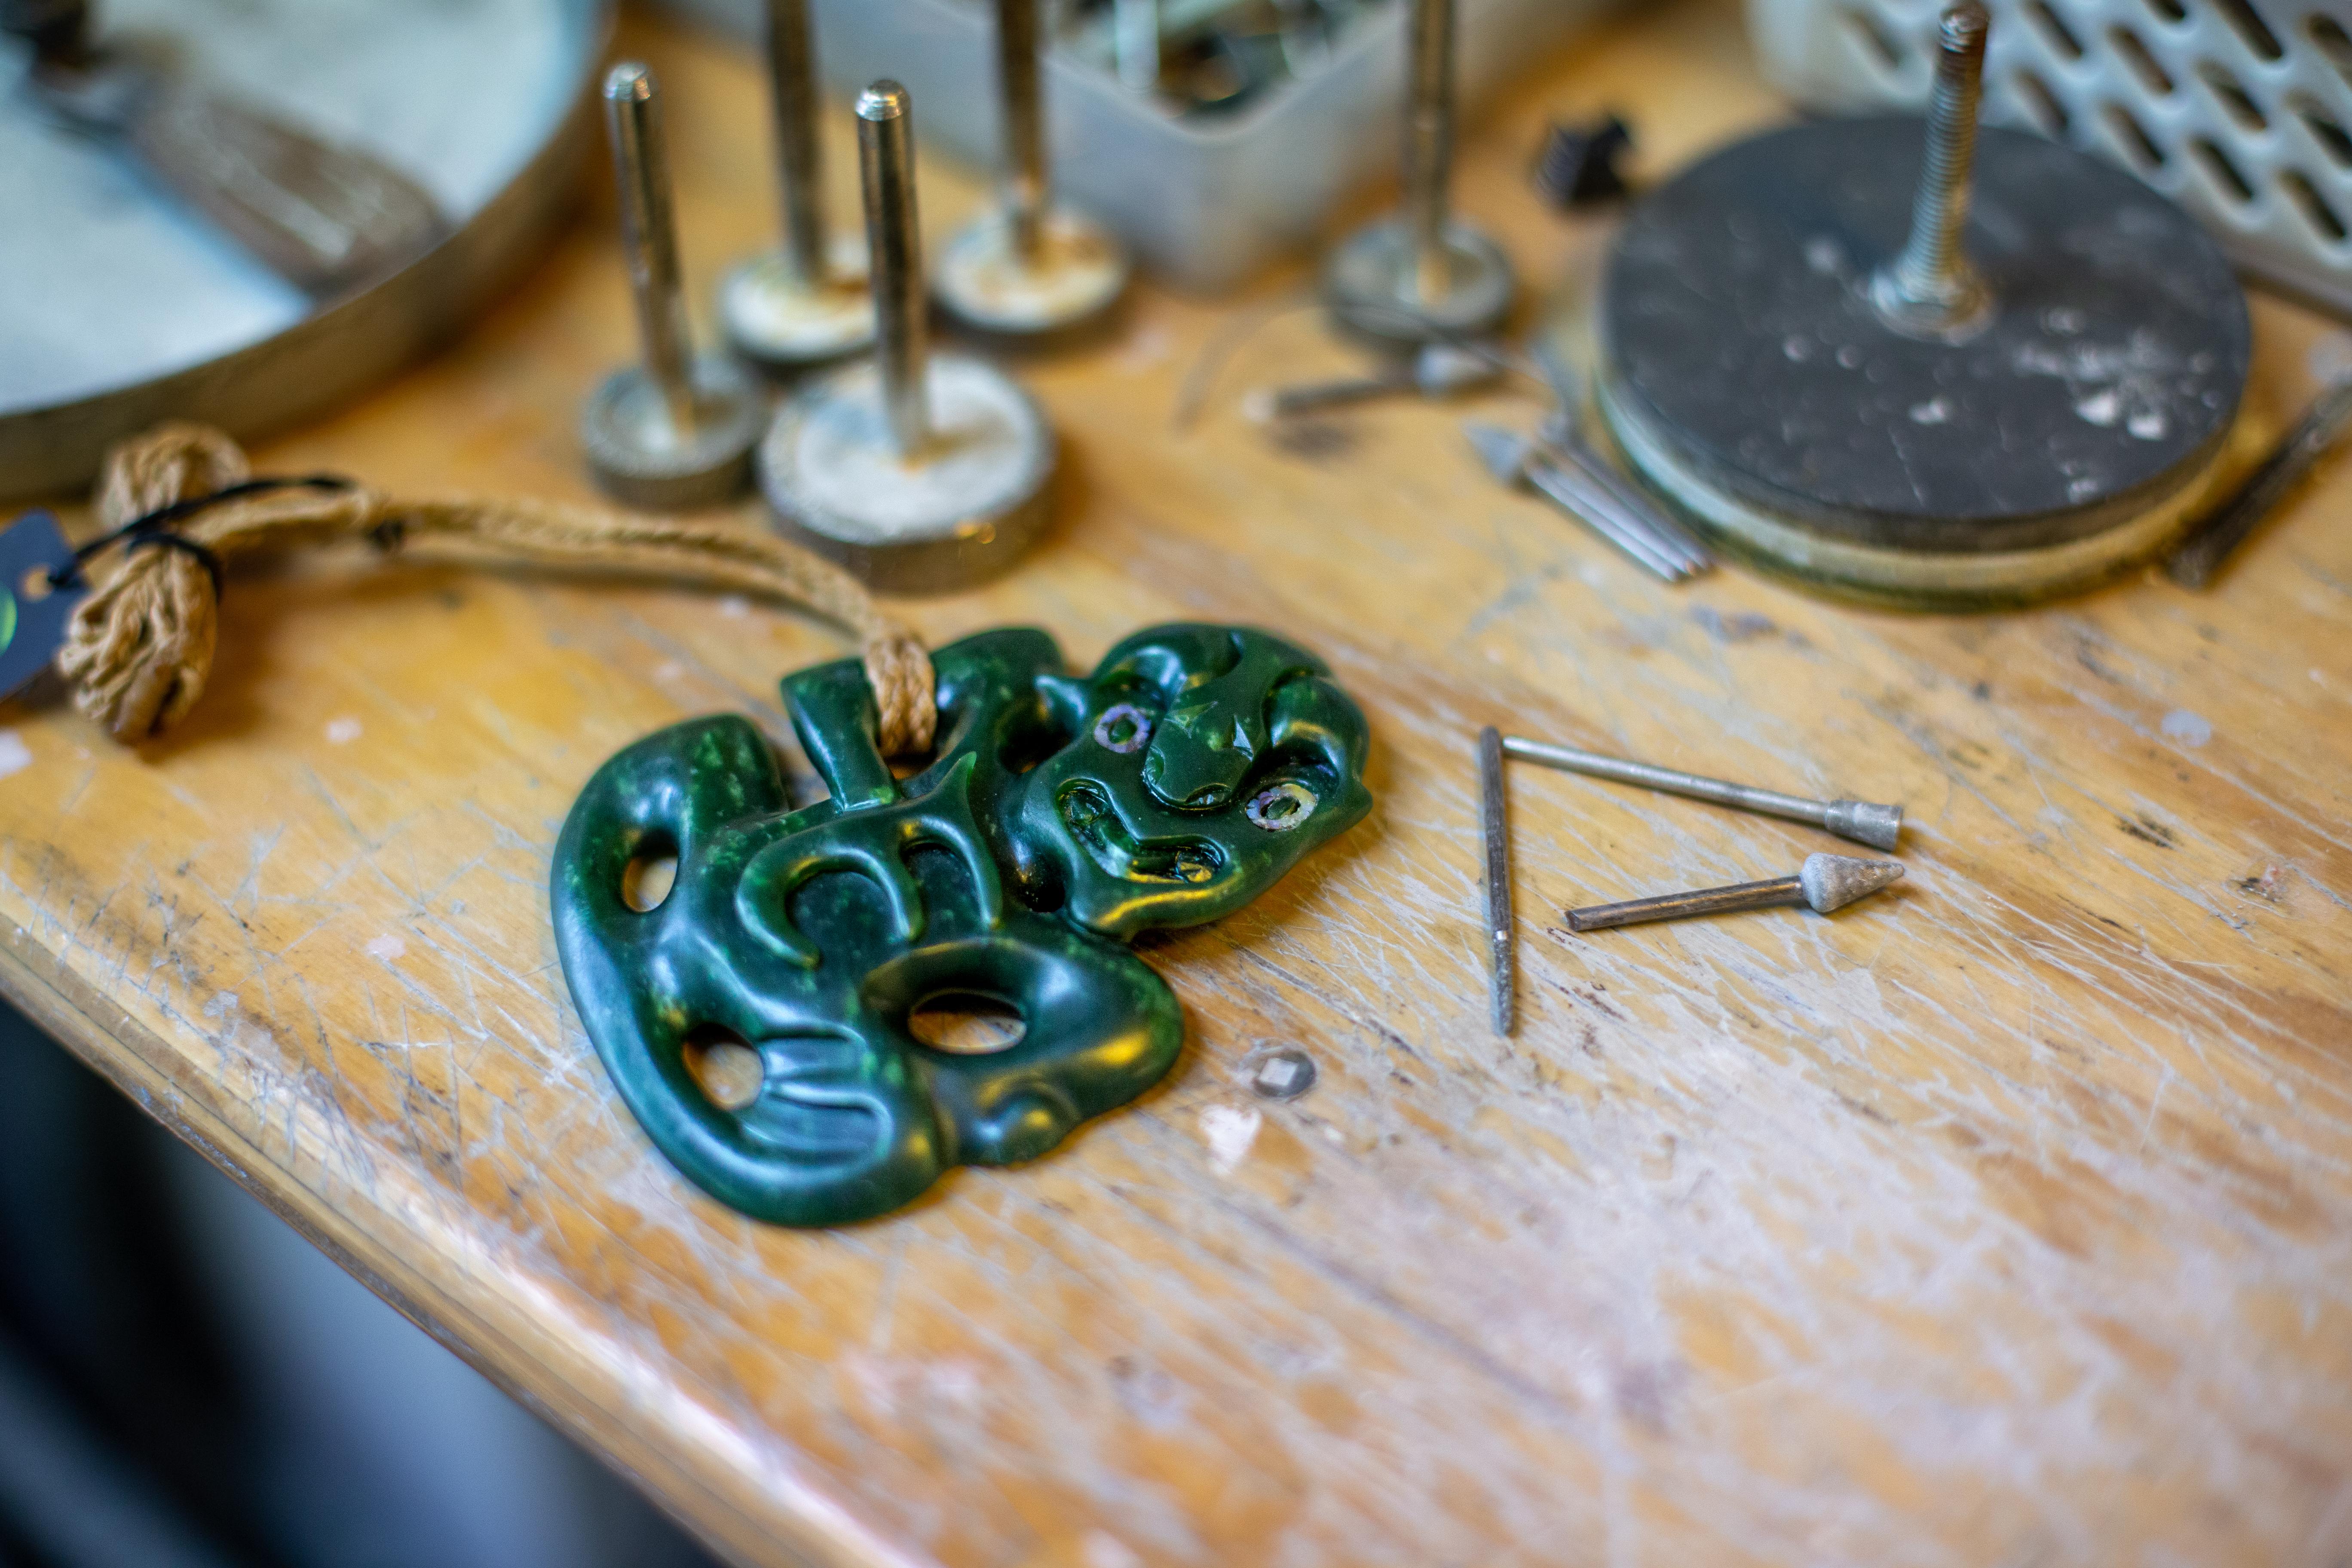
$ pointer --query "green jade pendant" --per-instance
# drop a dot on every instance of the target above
(1058, 817)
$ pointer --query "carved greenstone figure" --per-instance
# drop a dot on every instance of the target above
(1058, 817)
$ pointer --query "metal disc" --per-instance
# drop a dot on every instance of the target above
(1369, 285)
(983, 282)
(957, 516)
(771, 319)
(625, 428)
(1746, 371)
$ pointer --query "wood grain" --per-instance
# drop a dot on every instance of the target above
(2000, 1219)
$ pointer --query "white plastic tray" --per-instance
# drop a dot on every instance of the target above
(1204, 202)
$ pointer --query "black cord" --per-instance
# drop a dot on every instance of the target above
(155, 528)
(205, 556)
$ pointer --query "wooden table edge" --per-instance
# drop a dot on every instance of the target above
(60, 1005)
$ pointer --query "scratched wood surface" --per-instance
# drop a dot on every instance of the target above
(2001, 1220)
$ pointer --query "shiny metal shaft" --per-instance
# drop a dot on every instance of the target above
(1779, 892)
(1027, 178)
(886, 162)
(649, 235)
(1429, 143)
(2212, 542)
(1932, 281)
(800, 167)
(1493, 828)
(1135, 43)
(1861, 820)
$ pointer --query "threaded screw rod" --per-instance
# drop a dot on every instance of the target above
(1931, 291)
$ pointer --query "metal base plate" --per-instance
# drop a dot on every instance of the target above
(961, 514)
(983, 282)
(1901, 578)
(1746, 366)
(771, 319)
(639, 460)
(1368, 284)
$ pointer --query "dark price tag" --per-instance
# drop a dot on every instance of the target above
(33, 611)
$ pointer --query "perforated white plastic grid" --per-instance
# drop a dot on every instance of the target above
(2239, 110)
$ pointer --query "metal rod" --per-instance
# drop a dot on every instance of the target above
(800, 165)
(1825, 883)
(1567, 759)
(2210, 543)
(1027, 179)
(1861, 820)
(1931, 287)
(1135, 43)
(1493, 826)
(1308, 397)
(649, 237)
(1429, 145)
(886, 162)
(1778, 893)
(1576, 490)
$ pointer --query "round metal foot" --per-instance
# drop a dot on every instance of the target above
(985, 283)
(641, 458)
(1372, 289)
(951, 515)
(775, 319)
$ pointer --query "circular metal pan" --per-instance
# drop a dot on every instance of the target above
(1746, 375)
(123, 307)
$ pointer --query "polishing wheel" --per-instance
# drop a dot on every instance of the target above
(2060, 423)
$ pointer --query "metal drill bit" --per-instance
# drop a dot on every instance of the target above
(1027, 178)
(2211, 541)
(1514, 460)
(1437, 370)
(1826, 883)
(649, 237)
(886, 162)
(1429, 145)
(1859, 820)
(1493, 828)
(1931, 290)
(800, 165)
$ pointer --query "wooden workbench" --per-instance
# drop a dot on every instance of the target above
(2006, 1218)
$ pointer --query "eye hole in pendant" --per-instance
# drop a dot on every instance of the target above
(652, 871)
(1280, 807)
(724, 1067)
(1124, 728)
(966, 1024)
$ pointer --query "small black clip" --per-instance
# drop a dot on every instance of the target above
(1577, 166)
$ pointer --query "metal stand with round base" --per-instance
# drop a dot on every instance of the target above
(638, 455)
(775, 319)
(675, 430)
(985, 284)
(960, 510)
(1371, 286)
(2058, 434)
